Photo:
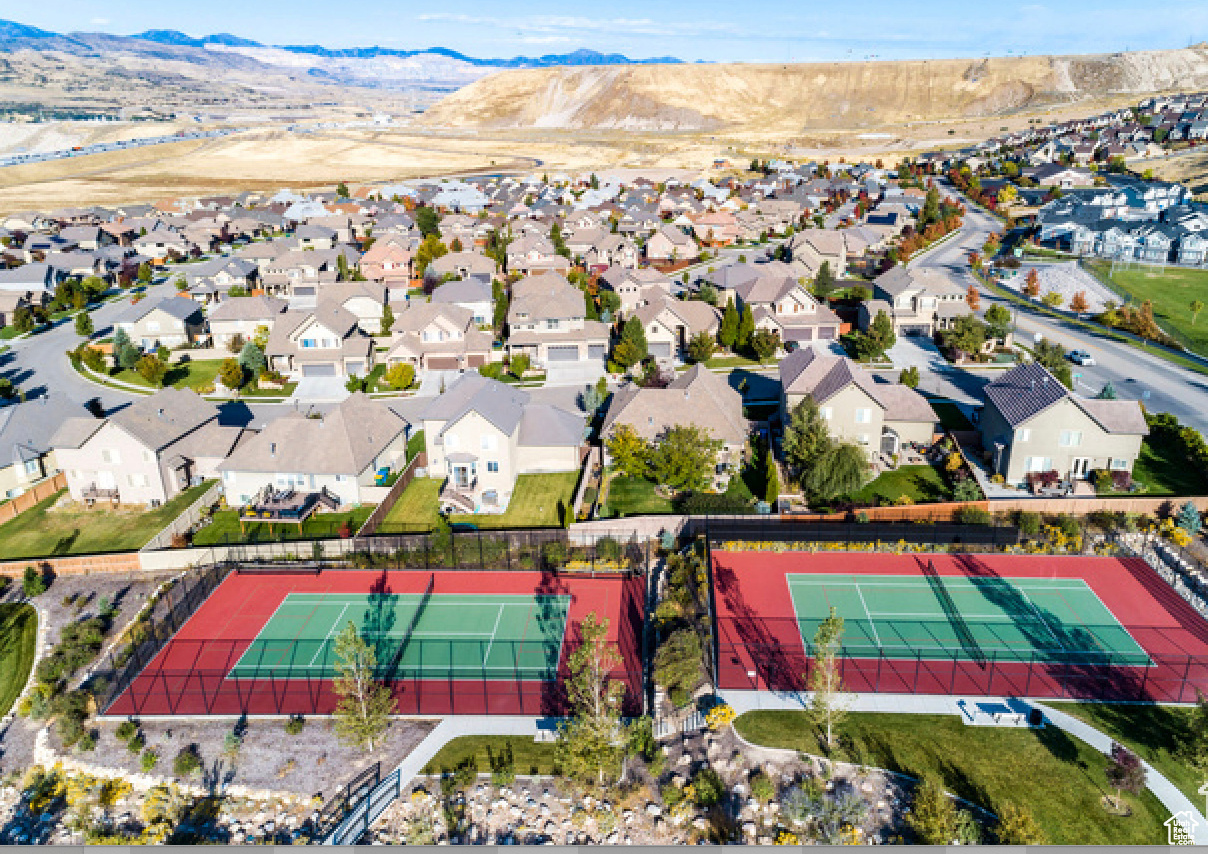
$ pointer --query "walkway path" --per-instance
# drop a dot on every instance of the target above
(927, 704)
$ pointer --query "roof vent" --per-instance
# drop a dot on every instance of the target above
(272, 450)
(160, 412)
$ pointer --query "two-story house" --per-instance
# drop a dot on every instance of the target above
(1032, 423)
(635, 288)
(26, 427)
(438, 336)
(481, 435)
(547, 321)
(779, 302)
(917, 300)
(670, 244)
(879, 417)
(171, 322)
(322, 342)
(144, 454)
(244, 317)
(474, 294)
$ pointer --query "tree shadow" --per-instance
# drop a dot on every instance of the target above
(64, 544)
(774, 666)
(554, 631)
(378, 620)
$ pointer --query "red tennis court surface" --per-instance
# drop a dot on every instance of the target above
(760, 643)
(195, 673)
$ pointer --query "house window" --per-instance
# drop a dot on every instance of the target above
(308, 343)
(1070, 438)
(136, 479)
(153, 326)
(863, 416)
(551, 324)
(1119, 465)
(1039, 464)
(493, 466)
(825, 412)
(1024, 435)
(110, 455)
(488, 443)
(450, 441)
(31, 467)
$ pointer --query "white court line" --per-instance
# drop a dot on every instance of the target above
(1043, 622)
(872, 624)
(327, 639)
(909, 586)
(487, 656)
(931, 616)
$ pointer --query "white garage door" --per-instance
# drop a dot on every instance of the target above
(321, 369)
(661, 350)
(304, 292)
(564, 353)
(597, 351)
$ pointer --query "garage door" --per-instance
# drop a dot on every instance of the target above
(357, 368)
(476, 361)
(826, 333)
(442, 363)
(661, 350)
(564, 353)
(304, 292)
(321, 369)
(914, 330)
(597, 351)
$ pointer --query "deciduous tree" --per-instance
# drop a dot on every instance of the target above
(840, 470)
(591, 744)
(1125, 773)
(152, 369)
(701, 347)
(630, 453)
(830, 700)
(363, 712)
(83, 324)
(1079, 303)
(932, 815)
(684, 458)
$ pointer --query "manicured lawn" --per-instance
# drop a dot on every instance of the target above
(530, 757)
(921, 483)
(950, 415)
(225, 528)
(197, 375)
(1171, 291)
(632, 496)
(1163, 472)
(536, 503)
(415, 445)
(18, 645)
(416, 507)
(1059, 779)
(732, 362)
(1153, 732)
(43, 532)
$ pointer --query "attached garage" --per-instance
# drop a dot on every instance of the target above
(319, 369)
(357, 368)
(660, 349)
(476, 361)
(597, 351)
(304, 292)
(442, 363)
(826, 333)
(563, 353)
(915, 329)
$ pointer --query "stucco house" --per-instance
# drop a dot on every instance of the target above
(481, 435)
(26, 427)
(1032, 423)
(172, 322)
(144, 454)
(879, 417)
(635, 288)
(323, 342)
(436, 336)
(340, 452)
(670, 244)
(473, 294)
(244, 316)
(547, 321)
(670, 324)
(918, 300)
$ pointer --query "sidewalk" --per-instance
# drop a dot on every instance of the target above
(930, 704)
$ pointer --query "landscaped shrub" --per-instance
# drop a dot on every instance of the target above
(763, 788)
(126, 730)
(608, 549)
(187, 761)
(503, 765)
(33, 583)
(707, 788)
(136, 744)
(148, 760)
(1028, 523)
(1069, 525)
(709, 504)
(295, 724)
(973, 516)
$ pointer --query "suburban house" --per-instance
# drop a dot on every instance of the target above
(635, 288)
(437, 336)
(244, 316)
(917, 300)
(547, 321)
(474, 294)
(670, 324)
(323, 342)
(26, 455)
(670, 244)
(358, 438)
(481, 435)
(212, 280)
(814, 246)
(144, 454)
(880, 417)
(465, 265)
(388, 260)
(533, 253)
(1032, 423)
(696, 397)
(172, 322)
(779, 303)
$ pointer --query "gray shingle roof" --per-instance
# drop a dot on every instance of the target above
(1023, 392)
(26, 428)
(497, 402)
(161, 419)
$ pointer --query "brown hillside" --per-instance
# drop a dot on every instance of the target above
(789, 99)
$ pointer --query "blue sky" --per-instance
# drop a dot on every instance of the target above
(766, 31)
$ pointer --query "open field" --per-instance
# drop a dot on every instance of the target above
(1060, 780)
(1171, 290)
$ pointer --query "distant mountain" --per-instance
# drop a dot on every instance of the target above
(15, 35)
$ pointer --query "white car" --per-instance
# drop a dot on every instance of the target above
(1081, 357)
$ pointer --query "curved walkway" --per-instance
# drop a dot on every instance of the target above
(927, 704)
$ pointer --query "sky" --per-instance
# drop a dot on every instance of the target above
(708, 30)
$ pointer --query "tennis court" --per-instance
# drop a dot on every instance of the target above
(969, 618)
(414, 636)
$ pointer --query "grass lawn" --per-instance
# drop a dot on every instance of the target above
(415, 445)
(733, 362)
(1163, 472)
(922, 483)
(950, 415)
(535, 503)
(632, 496)
(197, 375)
(1171, 291)
(416, 507)
(1153, 732)
(530, 757)
(225, 528)
(1059, 779)
(43, 532)
(18, 644)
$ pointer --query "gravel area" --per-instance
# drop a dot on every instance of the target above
(1066, 279)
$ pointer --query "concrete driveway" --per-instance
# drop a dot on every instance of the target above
(573, 373)
(319, 390)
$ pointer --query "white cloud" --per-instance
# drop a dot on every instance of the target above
(99, 22)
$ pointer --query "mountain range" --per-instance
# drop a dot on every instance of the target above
(16, 36)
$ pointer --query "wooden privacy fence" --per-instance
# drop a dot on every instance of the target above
(383, 509)
(39, 492)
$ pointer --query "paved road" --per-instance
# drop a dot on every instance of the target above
(1162, 386)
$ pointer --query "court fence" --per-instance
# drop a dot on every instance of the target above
(524, 550)
(859, 535)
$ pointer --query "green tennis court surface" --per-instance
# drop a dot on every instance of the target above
(516, 638)
(1057, 620)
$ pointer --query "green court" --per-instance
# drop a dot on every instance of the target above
(1052, 620)
(514, 638)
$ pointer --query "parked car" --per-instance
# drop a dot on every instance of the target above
(1081, 357)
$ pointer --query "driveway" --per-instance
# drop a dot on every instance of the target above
(573, 373)
(936, 375)
(319, 390)
(431, 383)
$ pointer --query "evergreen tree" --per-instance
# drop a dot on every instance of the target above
(83, 324)
(634, 334)
(728, 333)
(387, 320)
(805, 438)
(746, 326)
(824, 282)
